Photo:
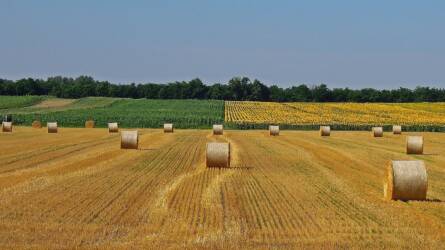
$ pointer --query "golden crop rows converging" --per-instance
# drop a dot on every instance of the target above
(78, 189)
(335, 113)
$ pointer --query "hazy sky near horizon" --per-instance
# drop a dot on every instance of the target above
(356, 44)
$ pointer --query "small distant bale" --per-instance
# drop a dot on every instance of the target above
(414, 145)
(36, 124)
(7, 127)
(168, 127)
(274, 130)
(89, 124)
(406, 180)
(377, 131)
(52, 127)
(325, 130)
(113, 127)
(129, 139)
(397, 129)
(218, 129)
(218, 154)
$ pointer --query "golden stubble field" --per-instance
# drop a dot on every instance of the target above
(78, 189)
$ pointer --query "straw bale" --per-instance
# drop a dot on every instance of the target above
(36, 124)
(113, 127)
(397, 129)
(7, 126)
(129, 139)
(406, 180)
(325, 130)
(218, 154)
(377, 131)
(168, 127)
(218, 129)
(89, 124)
(52, 127)
(274, 130)
(414, 145)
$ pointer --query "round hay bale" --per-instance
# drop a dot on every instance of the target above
(274, 130)
(218, 154)
(414, 145)
(406, 180)
(113, 127)
(36, 124)
(325, 130)
(7, 127)
(52, 127)
(397, 129)
(129, 139)
(89, 124)
(168, 127)
(218, 129)
(377, 131)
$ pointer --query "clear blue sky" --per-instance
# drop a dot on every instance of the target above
(381, 44)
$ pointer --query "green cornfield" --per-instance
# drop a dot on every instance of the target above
(137, 113)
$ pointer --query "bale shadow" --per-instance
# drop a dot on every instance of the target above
(434, 200)
(147, 149)
(427, 200)
(234, 168)
(241, 167)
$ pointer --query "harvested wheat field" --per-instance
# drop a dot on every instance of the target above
(78, 189)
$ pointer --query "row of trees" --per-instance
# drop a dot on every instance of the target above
(238, 88)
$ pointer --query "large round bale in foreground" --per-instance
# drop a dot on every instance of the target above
(397, 130)
(129, 139)
(7, 126)
(325, 130)
(52, 127)
(406, 180)
(414, 145)
(36, 124)
(218, 129)
(377, 131)
(113, 127)
(274, 130)
(218, 154)
(168, 127)
(89, 124)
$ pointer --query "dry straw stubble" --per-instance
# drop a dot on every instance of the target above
(218, 129)
(168, 127)
(218, 154)
(325, 130)
(406, 180)
(129, 139)
(414, 145)
(113, 127)
(377, 131)
(274, 130)
(7, 126)
(52, 127)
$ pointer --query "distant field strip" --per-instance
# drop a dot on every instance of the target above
(340, 114)
(8, 102)
(149, 113)
(78, 189)
(51, 105)
(142, 113)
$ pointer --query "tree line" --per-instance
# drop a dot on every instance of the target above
(238, 88)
